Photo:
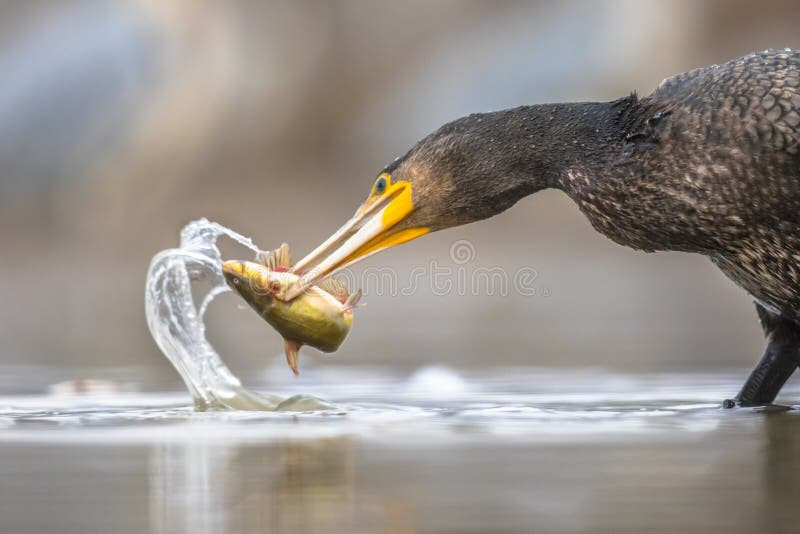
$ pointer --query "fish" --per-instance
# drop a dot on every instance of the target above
(320, 317)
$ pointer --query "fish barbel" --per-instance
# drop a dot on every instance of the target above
(320, 317)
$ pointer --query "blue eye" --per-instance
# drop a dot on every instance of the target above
(380, 185)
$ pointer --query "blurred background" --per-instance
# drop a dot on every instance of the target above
(120, 122)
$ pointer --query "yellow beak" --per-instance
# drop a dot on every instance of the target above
(367, 232)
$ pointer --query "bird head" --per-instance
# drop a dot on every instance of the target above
(447, 179)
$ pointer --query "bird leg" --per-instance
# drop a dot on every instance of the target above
(781, 358)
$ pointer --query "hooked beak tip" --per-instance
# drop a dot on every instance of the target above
(372, 228)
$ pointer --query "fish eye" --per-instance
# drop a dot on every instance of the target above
(380, 185)
(236, 281)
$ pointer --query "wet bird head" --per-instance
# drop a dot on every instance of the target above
(461, 173)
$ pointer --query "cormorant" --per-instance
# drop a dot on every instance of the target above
(707, 163)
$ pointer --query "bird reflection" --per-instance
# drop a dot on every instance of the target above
(781, 471)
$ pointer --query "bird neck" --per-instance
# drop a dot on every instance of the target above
(545, 146)
(588, 151)
(495, 159)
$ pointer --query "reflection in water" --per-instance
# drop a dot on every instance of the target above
(295, 486)
(513, 452)
(315, 485)
(781, 472)
(188, 484)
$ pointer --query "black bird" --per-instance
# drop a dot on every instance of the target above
(707, 163)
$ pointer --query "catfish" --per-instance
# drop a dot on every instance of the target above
(320, 316)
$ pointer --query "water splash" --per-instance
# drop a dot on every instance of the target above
(437, 381)
(177, 326)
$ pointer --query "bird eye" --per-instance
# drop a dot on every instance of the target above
(380, 185)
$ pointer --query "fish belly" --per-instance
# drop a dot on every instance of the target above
(310, 320)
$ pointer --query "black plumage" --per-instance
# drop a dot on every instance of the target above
(707, 163)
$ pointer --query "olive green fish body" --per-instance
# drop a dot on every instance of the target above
(316, 317)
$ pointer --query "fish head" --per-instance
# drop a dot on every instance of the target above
(253, 281)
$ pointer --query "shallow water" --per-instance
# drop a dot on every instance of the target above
(503, 450)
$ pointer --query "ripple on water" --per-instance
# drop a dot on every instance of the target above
(383, 409)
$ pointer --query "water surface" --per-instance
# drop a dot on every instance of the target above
(503, 450)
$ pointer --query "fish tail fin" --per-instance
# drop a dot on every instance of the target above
(352, 301)
(292, 349)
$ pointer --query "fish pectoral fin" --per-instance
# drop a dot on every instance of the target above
(352, 300)
(335, 287)
(292, 349)
(276, 259)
